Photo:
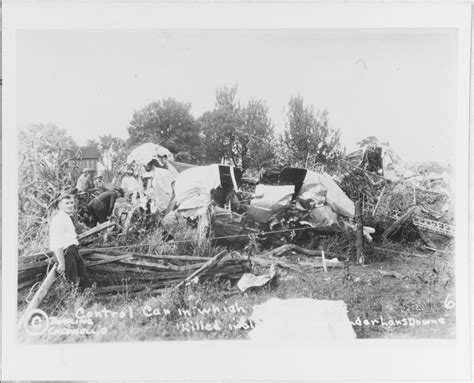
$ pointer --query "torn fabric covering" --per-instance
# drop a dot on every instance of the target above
(193, 189)
(273, 198)
(162, 188)
(145, 153)
(335, 197)
(301, 320)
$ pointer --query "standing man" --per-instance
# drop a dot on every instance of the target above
(63, 242)
(85, 183)
(102, 206)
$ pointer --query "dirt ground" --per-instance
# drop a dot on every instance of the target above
(415, 300)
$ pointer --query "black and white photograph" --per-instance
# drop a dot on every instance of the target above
(268, 185)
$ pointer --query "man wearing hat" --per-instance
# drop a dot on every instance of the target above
(63, 242)
(99, 182)
(85, 181)
(102, 206)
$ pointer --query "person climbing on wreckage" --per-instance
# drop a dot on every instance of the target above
(102, 206)
(63, 242)
(372, 159)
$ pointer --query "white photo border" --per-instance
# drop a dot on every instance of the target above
(359, 360)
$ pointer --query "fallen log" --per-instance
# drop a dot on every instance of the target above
(212, 262)
(398, 224)
(39, 296)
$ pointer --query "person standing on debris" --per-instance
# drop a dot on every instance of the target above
(63, 242)
(102, 206)
(85, 182)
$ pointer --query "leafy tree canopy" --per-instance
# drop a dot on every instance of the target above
(245, 134)
(307, 133)
(168, 123)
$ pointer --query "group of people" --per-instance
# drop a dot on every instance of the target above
(101, 205)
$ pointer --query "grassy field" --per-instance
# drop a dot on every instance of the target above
(418, 302)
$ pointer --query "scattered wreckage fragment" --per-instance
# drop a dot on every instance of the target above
(290, 203)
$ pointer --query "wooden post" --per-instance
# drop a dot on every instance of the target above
(39, 296)
(359, 232)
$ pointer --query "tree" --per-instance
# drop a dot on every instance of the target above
(221, 127)
(307, 132)
(168, 123)
(244, 134)
(258, 141)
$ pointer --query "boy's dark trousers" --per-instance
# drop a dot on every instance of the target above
(75, 269)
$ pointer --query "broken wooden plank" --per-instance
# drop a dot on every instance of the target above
(159, 256)
(104, 261)
(378, 201)
(149, 265)
(398, 224)
(437, 250)
(291, 247)
(39, 296)
(40, 256)
(212, 262)
(34, 265)
(359, 233)
(95, 230)
(324, 262)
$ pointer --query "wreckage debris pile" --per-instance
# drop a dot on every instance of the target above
(120, 272)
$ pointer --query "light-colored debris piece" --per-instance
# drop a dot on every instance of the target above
(301, 321)
(249, 280)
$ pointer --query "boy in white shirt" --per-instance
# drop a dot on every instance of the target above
(63, 242)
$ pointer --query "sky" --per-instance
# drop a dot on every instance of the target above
(399, 86)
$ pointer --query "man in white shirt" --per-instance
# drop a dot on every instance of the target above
(63, 242)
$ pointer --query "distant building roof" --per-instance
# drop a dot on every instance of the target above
(89, 152)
